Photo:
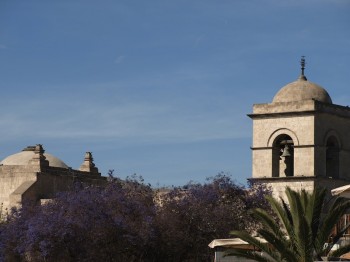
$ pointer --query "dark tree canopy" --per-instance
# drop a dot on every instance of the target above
(123, 221)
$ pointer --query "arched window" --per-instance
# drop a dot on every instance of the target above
(332, 157)
(283, 156)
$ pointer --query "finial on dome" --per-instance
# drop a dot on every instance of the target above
(302, 63)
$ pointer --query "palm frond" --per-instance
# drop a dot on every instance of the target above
(303, 241)
(335, 239)
(305, 199)
(250, 254)
(340, 233)
(256, 243)
(300, 234)
(318, 202)
(281, 245)
(334, 213)
(302, 229)
(283, 213)
(268, 222)
(340, 251)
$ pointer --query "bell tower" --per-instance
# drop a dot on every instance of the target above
(301, 139)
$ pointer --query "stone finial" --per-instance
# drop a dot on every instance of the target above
(88, 164)
(39, 158)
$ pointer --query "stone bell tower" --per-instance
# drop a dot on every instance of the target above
(301, 139)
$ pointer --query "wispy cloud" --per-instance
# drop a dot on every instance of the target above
(170, 106)
(133, 121)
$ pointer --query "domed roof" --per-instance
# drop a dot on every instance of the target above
(302, 90)
(23, 157)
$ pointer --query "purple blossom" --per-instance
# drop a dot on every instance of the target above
(121, 222)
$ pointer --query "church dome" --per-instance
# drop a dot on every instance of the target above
(302, 90)
(22, 158)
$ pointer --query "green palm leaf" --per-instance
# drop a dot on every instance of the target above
(256, 243)
(341, 251)
(250, 255)
(301, 231)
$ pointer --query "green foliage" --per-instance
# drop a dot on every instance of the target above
(302, 228)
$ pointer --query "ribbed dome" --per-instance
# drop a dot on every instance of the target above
(23, 157)
(302, 90)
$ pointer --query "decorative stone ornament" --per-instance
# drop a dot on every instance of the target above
(88, 164)
(39, 158)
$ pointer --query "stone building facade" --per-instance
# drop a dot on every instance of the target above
(33, 176)
(301, 139)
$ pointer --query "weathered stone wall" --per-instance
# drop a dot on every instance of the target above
(19, 184)
(54, 180)
(299, 128)
(284, 107)
(338, 126)
(309, 123)
(278, 185)
(12, 177)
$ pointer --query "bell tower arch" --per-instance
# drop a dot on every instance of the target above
(283, 156)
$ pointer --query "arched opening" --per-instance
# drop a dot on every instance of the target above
(332, 157)
(283, 156)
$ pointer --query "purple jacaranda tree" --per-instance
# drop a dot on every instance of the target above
(124, 221)
(192, 216)
(111, 223)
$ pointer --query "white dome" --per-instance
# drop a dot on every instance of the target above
(302, 90)
(22, 158)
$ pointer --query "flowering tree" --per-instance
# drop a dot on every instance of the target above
(122, 222)
(113, 223)
(191, 217)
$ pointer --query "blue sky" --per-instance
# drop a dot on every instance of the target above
(159, 88)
